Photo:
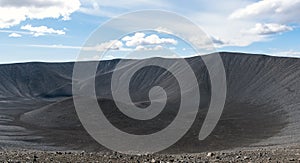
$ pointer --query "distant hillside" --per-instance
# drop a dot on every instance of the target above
(262, 105)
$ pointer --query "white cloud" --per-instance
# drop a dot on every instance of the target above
(110, 45)
(212, 16)
(218, 42)
(228, 23)
(15, 31)
(106, 57)
(42, 30)
(289, 53)
(13, 12)
(14, 35)
(163, 30)
(140, 47)
(55, 46)
(158, 47)
(143, 48)
(268, 29)
(223, 31)
(138, 42)
(134, 40)
(266, 17)
(278, 11)
(141, 39)
(233, 23)
(109, 8)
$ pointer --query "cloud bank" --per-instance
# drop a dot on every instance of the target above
(13, 12)
(42, 30)
(269, 29)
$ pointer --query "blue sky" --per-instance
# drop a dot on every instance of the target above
(55, 30)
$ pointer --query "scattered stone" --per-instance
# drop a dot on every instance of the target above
(59, 153)
(115, 153)
(210, 154)
(246, 158)
(215, 160)
(292, 159)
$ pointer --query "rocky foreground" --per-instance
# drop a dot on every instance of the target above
(291, 154)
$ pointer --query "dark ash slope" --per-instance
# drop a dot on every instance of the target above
(262, 105)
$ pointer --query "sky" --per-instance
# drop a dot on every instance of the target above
(56, 30)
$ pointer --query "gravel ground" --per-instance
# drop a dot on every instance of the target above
(291, 154)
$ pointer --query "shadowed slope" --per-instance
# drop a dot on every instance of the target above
(262, 105)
